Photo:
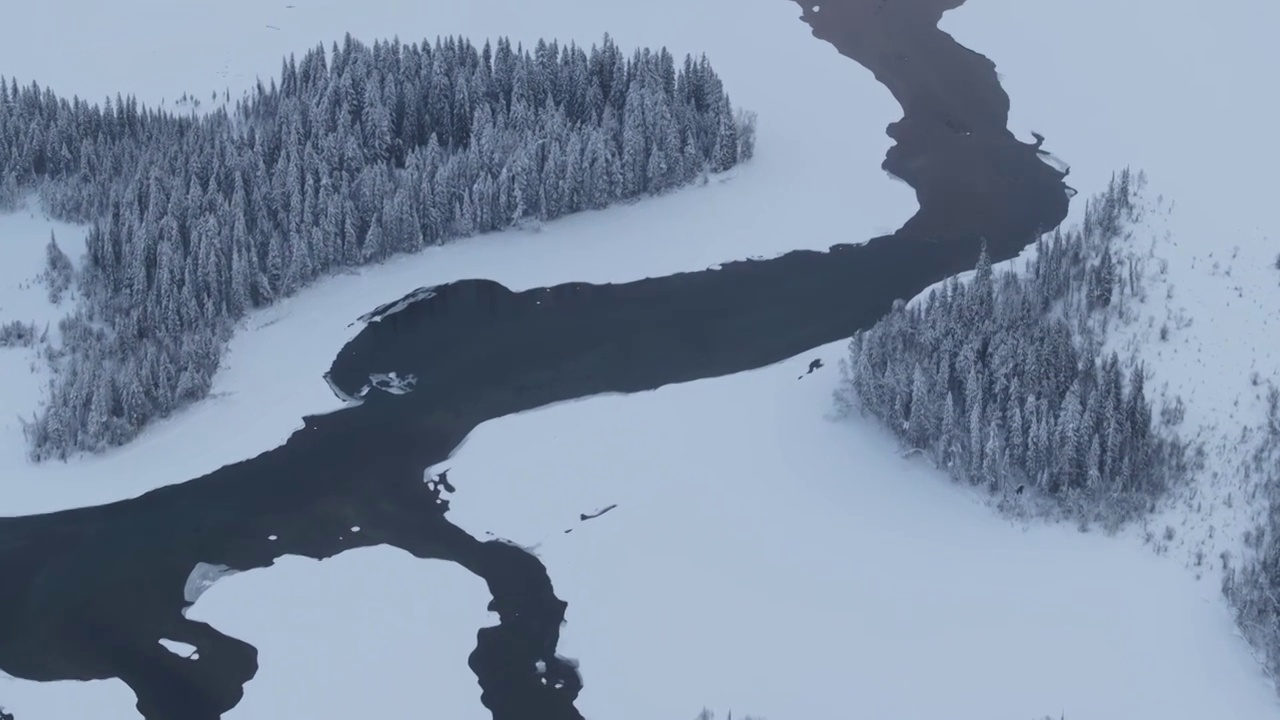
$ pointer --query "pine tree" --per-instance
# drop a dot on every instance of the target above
(993, 456)
(983, 297)
(552, 181)
(745, 122)
(656, 170)
(372, 249)
(634, 155)
(1034, 454)
(1017, 434)
(58, 269)
(1093, 463)
(949, 433)
(98, 427)
(1070, 438)
(922, 412)
(973, 407)
(1044, 430)
(1139, 421)
(725, 154)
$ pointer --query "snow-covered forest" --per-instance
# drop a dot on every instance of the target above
(1252, 585)
(1002, 380)
(358, 153)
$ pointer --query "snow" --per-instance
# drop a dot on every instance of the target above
(180, 649)
(66, 700)
(373, 632)
(203, 576)
(1177, 90)
(819, 570)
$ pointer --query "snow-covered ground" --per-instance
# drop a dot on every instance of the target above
(1178, 90)
(370, 633)
(820, 571)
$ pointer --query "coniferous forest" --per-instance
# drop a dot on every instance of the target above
(1002, 379)
(356, 154)
(1252, 583)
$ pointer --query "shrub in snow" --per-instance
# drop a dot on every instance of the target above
(356, 154)
(17, 334)
(1001, 381)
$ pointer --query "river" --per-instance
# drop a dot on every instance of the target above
(88, 593)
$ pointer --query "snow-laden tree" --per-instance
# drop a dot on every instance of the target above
(58, 270)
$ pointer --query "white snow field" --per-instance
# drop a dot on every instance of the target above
(761, 557)
(1181, 91)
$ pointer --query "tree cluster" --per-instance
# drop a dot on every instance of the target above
(1001, 381)
(16, 333)
(358, 153)
(1253, 587)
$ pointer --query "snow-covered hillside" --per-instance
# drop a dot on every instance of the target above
(1176, 90)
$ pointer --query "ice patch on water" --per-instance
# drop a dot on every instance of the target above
(202, 577)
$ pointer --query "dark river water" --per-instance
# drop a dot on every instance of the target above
(88, 593)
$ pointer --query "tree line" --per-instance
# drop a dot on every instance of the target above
(1252, 585)
(1002, 381)
(356, 154)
